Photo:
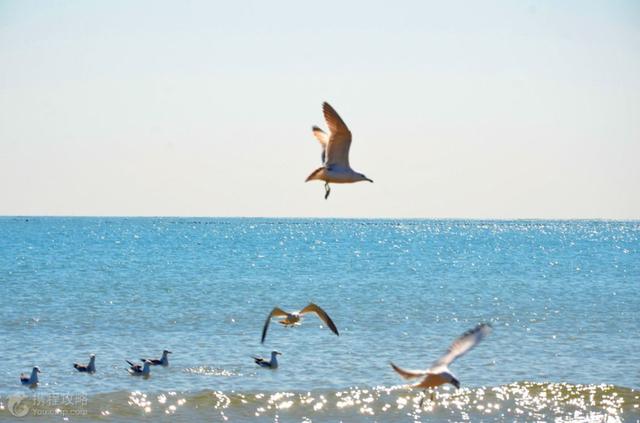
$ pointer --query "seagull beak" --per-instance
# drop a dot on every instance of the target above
(369, 180)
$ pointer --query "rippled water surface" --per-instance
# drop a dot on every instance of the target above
(562, 298)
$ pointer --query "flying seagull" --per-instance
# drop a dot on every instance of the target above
(271, 364)
(138, 370)
(294, 318)
(335, 152)
(164, 361)
(30, 380)
(439, 373)
(89, 368)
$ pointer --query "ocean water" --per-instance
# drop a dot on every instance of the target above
(562, 297)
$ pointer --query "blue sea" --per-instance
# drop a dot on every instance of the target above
(562, 297)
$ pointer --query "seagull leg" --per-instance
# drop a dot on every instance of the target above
(424, 395)
(327, 190)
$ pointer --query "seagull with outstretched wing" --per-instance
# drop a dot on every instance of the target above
(439, 373)
(294, 318)
(335, 152)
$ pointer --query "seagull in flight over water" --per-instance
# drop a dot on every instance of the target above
(272, 364)
(335, 152)
(439, 373)
(294, 318)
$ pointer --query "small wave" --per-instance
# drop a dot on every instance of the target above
(522, 401)
(211, 371)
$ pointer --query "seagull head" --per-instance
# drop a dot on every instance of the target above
(275, 353)
(37, 369)
(166, 352)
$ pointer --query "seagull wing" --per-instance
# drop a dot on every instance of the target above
(323, 139)
(276, 312)
(463, 344)
(408, 374)
(340, 139)
(312, 308)
(134, 367)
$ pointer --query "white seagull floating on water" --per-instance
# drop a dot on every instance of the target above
(271, 364)
(30, 380)
(439, 373)
(294, 318)
(89, 368)
(138, 370)
(335, 152)
(164, 361)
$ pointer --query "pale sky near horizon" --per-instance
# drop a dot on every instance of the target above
(487, 109)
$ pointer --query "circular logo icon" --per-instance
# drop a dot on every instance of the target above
(17, 405)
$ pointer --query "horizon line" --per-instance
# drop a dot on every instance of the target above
(476, 219)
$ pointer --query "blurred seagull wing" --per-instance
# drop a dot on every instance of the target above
(463, 344)
(408, 374)
(340, 139)
(312, 308)
(276, 312)
(323, 139)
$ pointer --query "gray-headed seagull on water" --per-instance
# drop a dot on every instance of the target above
(293, 318)
(30, 380)
(271, 364)
(439, 373)
(139, 370)
(335, 152)
(89, 368)
(164, 361)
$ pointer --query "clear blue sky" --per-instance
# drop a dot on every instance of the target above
(483, 109)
